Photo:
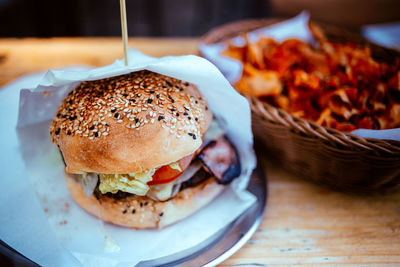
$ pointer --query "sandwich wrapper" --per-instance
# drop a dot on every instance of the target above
(44, 223)
(296, 27)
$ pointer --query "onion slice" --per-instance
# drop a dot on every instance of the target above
(89, 182)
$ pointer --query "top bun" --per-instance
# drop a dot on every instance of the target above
(129, 123)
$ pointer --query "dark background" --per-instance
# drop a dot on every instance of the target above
(46, 18)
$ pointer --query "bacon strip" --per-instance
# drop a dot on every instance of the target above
(221, 160)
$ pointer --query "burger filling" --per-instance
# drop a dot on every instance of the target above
(134, 183)
(216, 158)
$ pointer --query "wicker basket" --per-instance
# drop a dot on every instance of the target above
(340, 160)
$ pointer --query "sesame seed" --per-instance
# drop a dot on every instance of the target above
(86, 108)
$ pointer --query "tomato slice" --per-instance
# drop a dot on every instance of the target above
(166, 174)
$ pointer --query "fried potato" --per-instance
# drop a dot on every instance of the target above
(338, 85)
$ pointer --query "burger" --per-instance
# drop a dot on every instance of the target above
(142, 150)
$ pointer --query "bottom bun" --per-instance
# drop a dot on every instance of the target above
(143, 212)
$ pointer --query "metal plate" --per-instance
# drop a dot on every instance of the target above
(211, 252)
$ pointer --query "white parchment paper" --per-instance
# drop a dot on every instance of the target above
(82, 238)
(296, 27)
(385, 34)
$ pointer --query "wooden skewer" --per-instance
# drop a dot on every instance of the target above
(124, 29)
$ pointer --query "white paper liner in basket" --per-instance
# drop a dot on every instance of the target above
(296, 27)
(84, 235)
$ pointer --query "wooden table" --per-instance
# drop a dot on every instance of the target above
(303, 225)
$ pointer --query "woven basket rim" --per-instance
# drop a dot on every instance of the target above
(329, 135)
(306, 127)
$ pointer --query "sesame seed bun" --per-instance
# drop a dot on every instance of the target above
(143, 212)
(129, 123)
